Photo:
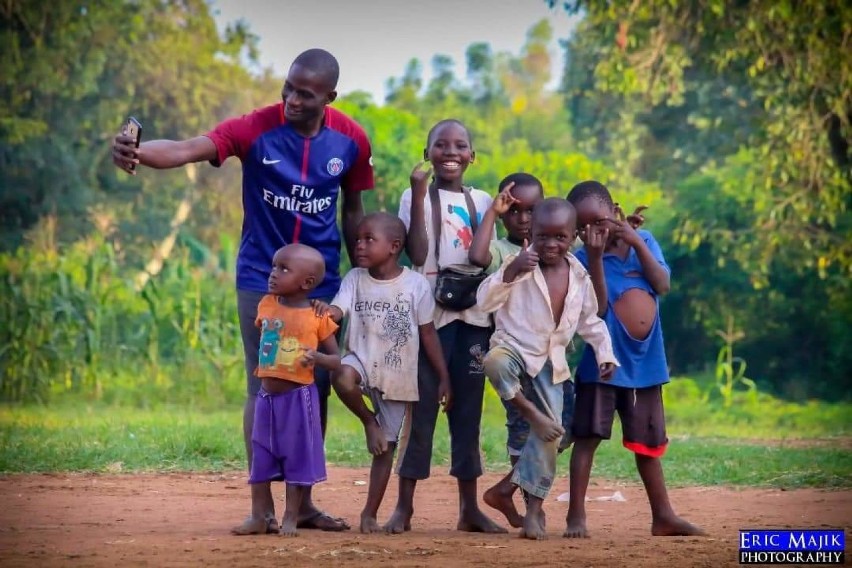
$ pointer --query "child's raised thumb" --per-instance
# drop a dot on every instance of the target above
(526, 245)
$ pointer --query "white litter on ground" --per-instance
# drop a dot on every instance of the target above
(617, 497)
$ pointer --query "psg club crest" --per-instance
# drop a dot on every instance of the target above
(334, 166)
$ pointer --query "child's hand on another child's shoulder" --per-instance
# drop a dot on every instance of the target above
(420, 180)
(504, 200)
(321, 309)
(526, 261)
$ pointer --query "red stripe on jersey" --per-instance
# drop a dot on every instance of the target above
(305, 155)
(297, 229)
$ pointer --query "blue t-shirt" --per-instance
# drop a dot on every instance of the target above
(643, 362)
(290, 187)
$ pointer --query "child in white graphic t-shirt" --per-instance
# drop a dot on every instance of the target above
(390, 311)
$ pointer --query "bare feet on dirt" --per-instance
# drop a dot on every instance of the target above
(369, 525)
(674, 526)
(256, 526)
(534, 528)
(499, 498)
(399, 522)
(575, 526)
(476, 521)
(288, 525)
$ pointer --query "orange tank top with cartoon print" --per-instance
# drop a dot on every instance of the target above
(285, 334)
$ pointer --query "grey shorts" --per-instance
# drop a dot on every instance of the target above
(390, 414)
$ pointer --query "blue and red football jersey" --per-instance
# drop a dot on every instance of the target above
(290, 187)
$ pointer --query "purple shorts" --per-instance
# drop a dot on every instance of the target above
(286, 439)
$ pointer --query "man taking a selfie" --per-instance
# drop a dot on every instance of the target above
(298, 156)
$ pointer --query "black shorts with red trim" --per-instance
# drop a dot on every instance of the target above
(643, 421)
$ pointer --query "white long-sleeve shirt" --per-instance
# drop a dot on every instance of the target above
(524, 318)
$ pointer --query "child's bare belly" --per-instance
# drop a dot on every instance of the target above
(278, 386)
(636, 309)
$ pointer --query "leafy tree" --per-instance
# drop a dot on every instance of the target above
(688, 83)
(72, 74)
(741, 111)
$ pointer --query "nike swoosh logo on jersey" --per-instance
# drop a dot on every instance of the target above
(269, 162)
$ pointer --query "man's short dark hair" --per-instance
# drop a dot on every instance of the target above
(322, 62)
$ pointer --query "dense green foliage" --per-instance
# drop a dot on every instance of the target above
(742, 113)
(731, 121)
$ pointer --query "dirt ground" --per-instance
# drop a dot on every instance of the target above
(183, 520)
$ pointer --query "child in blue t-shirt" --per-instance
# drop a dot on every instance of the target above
(629, 274)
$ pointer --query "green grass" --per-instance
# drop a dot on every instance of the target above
(79, 437)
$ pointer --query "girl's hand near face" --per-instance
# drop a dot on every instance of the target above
(420, 181)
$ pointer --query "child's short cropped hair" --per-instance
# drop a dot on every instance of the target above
(520, 178)
(590, 188)
(388, 225)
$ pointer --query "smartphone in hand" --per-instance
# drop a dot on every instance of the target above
(133, 128)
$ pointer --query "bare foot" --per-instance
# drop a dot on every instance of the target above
(476, 521)
(288, 526)
(674, 526)
(498, 498)
(399, 522)
(376, 442)
(575, 526)
(534, 527)
(369, 525)
(547, 429)
(256, 526)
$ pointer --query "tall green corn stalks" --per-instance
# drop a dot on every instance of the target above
(71, 324)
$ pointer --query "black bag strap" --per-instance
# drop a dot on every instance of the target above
(436, 218)
(436, 215)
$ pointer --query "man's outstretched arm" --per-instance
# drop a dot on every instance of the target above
(161, 154)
